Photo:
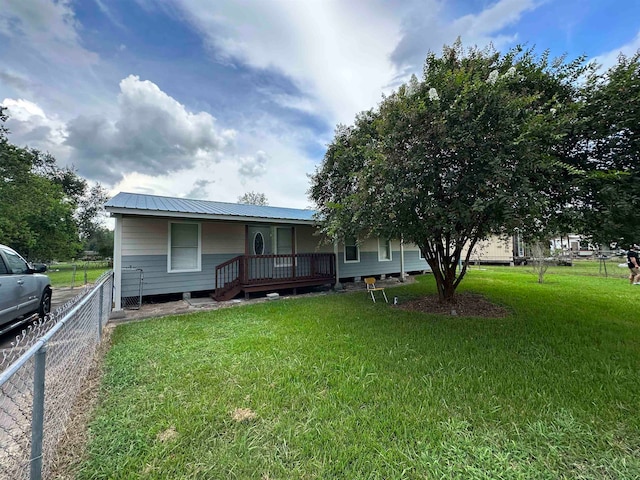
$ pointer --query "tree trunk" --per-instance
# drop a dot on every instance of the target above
(445, 276)
(444, 262)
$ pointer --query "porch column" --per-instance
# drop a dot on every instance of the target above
(338, 285)
(402, 258)
(117, 263)
(293, 252)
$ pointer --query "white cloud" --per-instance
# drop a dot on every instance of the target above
(200, 189)
(343, 55)
(48, 28)
(28, 124)
(285, 182)
(424, 29)
(254, 166)
(153, 134)
(335, 52)
(609, 59)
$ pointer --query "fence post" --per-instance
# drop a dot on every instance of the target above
(100, 313)
(73, 277)
(37, 418)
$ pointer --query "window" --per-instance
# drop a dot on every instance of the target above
(16, 264)
(351, 250)
(184, 247)
(420, 254)
(384, 250)
(258, 244)
(3, 268)
(283, 245)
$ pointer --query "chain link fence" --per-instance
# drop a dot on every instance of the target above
(40, 379)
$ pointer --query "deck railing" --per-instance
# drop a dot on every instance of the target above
(247, 271)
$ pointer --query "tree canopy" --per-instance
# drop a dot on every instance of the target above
(609, 152)
(45, 211)
(253, 198)
(477, 147)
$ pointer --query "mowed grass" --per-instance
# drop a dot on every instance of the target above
(342, 388)
(77, 275)
(607, 268)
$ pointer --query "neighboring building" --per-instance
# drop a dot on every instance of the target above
(573, 244)
(175, 245)
(499, 250)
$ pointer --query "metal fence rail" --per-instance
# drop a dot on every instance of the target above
(41, 379)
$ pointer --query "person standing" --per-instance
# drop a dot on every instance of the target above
(634, 265)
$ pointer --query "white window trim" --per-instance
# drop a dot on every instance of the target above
(199, 267)
(344, 253)
(420, 255)
(380, 259)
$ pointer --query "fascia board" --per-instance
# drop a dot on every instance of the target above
(205, 216)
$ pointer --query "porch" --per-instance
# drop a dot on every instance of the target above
(259, 273)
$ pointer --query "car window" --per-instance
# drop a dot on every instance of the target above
(16, 264)
(3, 267)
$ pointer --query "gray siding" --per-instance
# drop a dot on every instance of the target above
(413, 262)
(158, 281)
(369, 264)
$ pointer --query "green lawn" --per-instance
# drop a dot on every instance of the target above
(342, 388)
(75, 274)
(589, 267)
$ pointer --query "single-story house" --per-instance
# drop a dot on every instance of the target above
(498, 250)
(178, 245)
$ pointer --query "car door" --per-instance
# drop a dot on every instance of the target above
(27, 288)
(9, 294)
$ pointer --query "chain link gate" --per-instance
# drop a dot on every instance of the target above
(132, 281)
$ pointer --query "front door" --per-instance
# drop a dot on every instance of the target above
(260, 243)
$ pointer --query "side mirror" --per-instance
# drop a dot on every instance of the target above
(39, 268)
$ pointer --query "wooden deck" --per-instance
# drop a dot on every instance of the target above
(260, 273)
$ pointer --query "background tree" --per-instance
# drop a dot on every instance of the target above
(540, 259)
(609, 152)
(44, 209)
(253, 198)
(101, 241)
(475, 148)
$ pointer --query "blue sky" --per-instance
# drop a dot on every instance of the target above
(213, 98)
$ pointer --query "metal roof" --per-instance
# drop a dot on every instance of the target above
(136, 203)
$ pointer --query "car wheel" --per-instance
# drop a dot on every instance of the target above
(45, 304)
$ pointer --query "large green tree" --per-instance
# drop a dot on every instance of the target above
(609, 153)
(477, 147)
(45, 210)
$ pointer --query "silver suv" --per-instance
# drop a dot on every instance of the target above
(23, 288)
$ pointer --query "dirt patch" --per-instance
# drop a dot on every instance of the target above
(167, 435)
(463, 305)
(243, 415)
(71, 449)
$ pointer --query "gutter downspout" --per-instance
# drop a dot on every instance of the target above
(117, 264)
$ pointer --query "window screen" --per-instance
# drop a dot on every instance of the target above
(384, 249)
(185, 246)
(283, 240)
(351, 252)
